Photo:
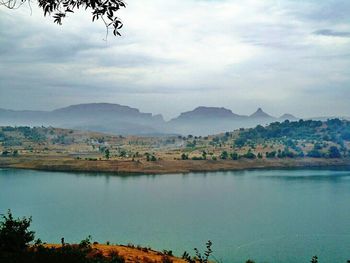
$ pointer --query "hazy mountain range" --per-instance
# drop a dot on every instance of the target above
(124, 120)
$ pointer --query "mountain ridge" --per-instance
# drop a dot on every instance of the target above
(125, 120)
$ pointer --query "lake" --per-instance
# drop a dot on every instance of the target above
(271, 216)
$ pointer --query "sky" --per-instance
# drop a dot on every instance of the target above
(281, 55)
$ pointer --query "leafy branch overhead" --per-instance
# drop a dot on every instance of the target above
(100, 9)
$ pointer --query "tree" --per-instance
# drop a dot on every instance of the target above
(184, 156)
(333, 152)
(14, 233)
(234, 156)
(239, 142)
(107, 154)
(58, 9)
(314, 259)
(224, 155)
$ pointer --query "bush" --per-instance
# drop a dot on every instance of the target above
(184, 156)
(14, 233)
(333, 152)
(271, 154)
(234, 156)
(314, 153)
(224, 155)
(249, 155)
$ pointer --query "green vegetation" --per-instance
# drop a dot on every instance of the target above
(334, 130)
(199, 257)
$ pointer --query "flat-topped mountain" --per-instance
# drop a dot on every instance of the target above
(101, 108)
(101, 117)
(207, 112)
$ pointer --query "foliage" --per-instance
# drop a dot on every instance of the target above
(59, 9)
(314, 259)
(234, 156)
(315, 153)
(184, 156)
(14, 233)
(335, 130)
(271, 154)
(240, 141)
(199, 257)
(224, 155)
(249, 155)
(333, 152)
(107, 154)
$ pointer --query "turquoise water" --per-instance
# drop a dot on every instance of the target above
(271, 216)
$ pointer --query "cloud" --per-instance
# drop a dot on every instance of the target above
(331, 33)
(182, 53)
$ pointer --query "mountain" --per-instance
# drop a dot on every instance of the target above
(125, 120)
(212, 120)
(203, 121)
(260, 114)
(288, 116)
(206, 112)
(101, 117)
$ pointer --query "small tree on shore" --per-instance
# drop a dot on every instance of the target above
(107, 154)
(14, 233)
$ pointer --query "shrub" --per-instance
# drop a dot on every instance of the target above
(14, 233)
(334, 152)
(234, 156)
(184, 156)
(224, 155)
(314, 153)
(271, 154)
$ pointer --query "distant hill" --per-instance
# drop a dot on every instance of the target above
(288, 116)
(101, 117)
(207, 112)
(212, 120)
(260, 114)
(125, 120)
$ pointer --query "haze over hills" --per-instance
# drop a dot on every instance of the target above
(124, 120)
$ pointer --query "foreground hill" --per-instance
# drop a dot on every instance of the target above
(124, 120)
(286, 144)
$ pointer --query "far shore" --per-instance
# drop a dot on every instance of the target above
(57, 163)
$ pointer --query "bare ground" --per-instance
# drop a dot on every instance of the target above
(57, 163)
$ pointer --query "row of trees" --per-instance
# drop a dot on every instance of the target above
(333, 152)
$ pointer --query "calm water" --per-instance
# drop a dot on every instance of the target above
(271, 216)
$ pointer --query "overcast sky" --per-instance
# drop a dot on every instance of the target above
(283, 56)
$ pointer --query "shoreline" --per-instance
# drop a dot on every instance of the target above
(125, 167)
